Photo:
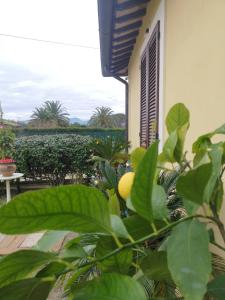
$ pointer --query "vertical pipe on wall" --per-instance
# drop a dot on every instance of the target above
(126, 105)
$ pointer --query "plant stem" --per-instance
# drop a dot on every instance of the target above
(118, 243)
(217, 220)
(140, 241)
(143, 239)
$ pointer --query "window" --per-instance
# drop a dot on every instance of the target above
(149, 118)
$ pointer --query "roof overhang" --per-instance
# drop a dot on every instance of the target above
(119, 24)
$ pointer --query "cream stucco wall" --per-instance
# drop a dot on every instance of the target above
(195, 61)
(194, 64)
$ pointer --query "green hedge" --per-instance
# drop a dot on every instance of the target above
(93, 132)
(52, 157)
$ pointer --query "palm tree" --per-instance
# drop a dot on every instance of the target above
(40, 114)
(51, 113)
(57, 112)
(102, 118)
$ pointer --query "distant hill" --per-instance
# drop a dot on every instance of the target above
(78, 120)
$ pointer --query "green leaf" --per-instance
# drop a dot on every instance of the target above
(192, 185)
(169, 147)
(204, 140)
(118, 227)
(216, 288)
(219, 195)
(141, 193)
(177, 117)
(201, 158)
(189, 258)
(137, 226)
(53, 269)
(74, 251)
(136, 157)
(22, 264)
(220, 130)
(49, 239)
(154, 266)
(119, 263)
(110, 175)
(216, 155)
(111, 287)
(129, 204)
(181, 133)
(29, 289)
(114, 205)
(77, 208)
(159, 206)
(191, 207)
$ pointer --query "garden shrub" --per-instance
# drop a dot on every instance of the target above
(52, 157)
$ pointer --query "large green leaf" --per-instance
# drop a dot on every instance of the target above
(181, 133)
(113, 202)
(28, 289)
(142, 189)
(189, 258)
(137, 226)
(192, 185)
(53, 269)
(74, 251)
(136, 157)
(118, 227)
(22, 264)
(49, 239)
(111, 287)
(119, 263)
(77, 208)
(177, 117)
(110, 175)
(159, 206)
(155, 267)
(216, 288)
(204, 140)
(169, 147)
(216, 155)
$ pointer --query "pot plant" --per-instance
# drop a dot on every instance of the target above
(7, 163)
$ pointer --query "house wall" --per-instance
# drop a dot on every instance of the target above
(194, 64)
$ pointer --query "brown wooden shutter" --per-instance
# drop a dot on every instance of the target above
(150, 90)
(144, 112)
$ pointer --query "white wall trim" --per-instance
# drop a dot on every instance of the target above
(159, 16)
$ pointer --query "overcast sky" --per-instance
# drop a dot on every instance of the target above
(32, 72)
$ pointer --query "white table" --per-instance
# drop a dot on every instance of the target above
(7, 181)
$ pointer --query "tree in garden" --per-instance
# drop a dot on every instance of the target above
(102, 118)
(119, 120)
(57, 112)
(50, 114)
(146, 254)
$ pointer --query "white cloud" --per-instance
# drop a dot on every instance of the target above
(31, 71)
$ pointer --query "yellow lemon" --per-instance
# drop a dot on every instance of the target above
(125, 184)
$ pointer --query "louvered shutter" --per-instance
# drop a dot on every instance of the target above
(150, 90)
(144, 112)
